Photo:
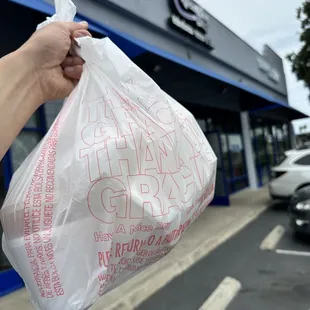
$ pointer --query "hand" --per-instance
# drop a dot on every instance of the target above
(50, 52)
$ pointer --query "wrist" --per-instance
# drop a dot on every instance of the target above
(19, 96)
(29, 75)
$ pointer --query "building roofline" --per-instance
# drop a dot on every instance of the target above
(236, 35)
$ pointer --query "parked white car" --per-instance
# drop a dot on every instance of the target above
(292, 174)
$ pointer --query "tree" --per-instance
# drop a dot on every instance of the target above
(301, 60)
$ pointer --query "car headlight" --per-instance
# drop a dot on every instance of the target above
(303, 205)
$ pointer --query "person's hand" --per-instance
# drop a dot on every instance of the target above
(50, 52)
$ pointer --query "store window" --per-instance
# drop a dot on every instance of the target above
(286, 137)
(24, 143)
(221, 185)
(237, 155)
(33, 122)
(269, 145)
(52, 109)
(263, 157)
(225, 155)
(263, 141)
(236, 170)
(281, 141)
(275, 145)
(202, 124)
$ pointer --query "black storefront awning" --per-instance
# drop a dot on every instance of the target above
(278, 112)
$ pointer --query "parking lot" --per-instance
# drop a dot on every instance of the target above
(293, 246)
(227, 270)
(275, 279)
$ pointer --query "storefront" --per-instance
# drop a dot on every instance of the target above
(198, 61)
(238, 95)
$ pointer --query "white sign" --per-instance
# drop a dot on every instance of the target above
(189, 5)
(272, 73)
(191, 18)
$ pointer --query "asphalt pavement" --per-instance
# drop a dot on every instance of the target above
(270, 281)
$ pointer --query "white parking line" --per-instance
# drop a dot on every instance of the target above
(290, 252)
(223, 295)
(271, 241)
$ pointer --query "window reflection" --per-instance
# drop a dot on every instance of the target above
(236, 151)
(210, 124)
(33, 122)
(52, 108)
(202, 124)
(24, 143)
(225, 155)
(270, 141)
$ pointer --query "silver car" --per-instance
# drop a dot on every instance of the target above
(292, 174)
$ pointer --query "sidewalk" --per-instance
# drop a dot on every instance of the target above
(212, 228)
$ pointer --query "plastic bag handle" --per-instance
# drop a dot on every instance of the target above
(65, 12)
(86, 46)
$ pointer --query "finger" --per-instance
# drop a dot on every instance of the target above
(78, 34)
(72, 51)
(72, 61)
(81, 33)
(72, 26)
(74, 72)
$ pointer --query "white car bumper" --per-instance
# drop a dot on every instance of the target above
(281, 189)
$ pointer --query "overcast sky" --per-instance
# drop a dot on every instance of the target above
(271, 22)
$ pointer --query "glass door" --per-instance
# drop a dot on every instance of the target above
(237, 166)
(221, 192)
(279, 144)
(281, 141)
(262, 145)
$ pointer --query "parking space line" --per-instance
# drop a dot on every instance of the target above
(273, 238)
(223, 295)
(291, 252)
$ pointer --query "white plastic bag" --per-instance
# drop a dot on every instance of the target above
(121, 174)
